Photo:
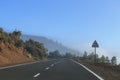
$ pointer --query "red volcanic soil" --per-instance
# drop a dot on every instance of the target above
(10, 54)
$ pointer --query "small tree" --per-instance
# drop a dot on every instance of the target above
(107, 59)
(16, 34)
(19, 43)
(1, 30)
(55, 54)
(91, 57)
(85, 55)
(69, 55)
(114, 60)
(102, 58)
(36, 49)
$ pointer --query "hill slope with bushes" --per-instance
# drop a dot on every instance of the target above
(13, 50)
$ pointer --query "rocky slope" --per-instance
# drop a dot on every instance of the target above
(10, 54)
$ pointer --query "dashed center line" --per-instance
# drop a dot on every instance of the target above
(36, 75)
(52, 65)
(47, 68)
(57, 62)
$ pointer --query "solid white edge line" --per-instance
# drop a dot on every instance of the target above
(22, 64)
(18, 65)
(89, 70)
(36, 75)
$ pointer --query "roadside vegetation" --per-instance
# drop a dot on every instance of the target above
(14, 50)
(56, 55)
(105, 67)
(36, 49)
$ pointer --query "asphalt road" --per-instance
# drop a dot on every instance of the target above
(62, 69)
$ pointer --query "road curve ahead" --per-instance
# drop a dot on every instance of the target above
(62, 69)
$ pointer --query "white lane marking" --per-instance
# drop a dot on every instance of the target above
(18, 65)
(52, 65)
(47, 68)
(36, 75)
(23, 64)
(89, 70)
(57, 62)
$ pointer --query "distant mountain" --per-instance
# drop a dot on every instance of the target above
(49, 44)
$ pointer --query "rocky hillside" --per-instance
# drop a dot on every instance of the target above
(12, 50)
(9, 54)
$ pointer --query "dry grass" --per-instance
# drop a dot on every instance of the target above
(105, 70)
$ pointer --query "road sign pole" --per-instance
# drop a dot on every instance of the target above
(95, 54)
(95, 45)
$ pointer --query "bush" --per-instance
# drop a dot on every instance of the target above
(35, 48)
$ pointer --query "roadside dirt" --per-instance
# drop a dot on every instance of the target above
(105, 70)
(10, 55)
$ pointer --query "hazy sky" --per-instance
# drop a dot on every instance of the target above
(75, 23)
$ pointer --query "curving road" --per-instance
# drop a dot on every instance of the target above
(62, 69)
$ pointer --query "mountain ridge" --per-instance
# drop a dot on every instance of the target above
(50, 44)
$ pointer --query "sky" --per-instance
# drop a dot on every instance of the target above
(74, 23)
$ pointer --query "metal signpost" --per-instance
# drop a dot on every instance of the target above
(95, 45)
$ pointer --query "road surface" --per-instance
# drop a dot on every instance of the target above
(62, 69)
